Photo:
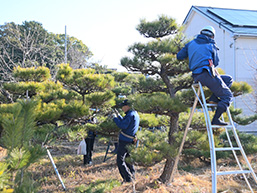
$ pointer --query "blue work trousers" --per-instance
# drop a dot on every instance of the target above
(219, 85)
(126, 170)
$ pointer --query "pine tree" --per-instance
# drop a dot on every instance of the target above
(18, 130)
(169, 93)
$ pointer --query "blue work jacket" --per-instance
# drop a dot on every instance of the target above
(128, 124)
(199, 51)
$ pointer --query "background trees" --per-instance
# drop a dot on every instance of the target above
(29, 44)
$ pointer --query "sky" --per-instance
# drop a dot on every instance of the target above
(106, 27)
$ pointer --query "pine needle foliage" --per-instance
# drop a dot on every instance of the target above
(5, 182)
(124, 90)
(50, 112)
(18, 132)
(240, 88)
(101, 99)
(38, 74)
(158, 103)
(241, 119)
(158, 28)
(120, 76)
(20, 89)
(75, 109)
(19, 128)
(149, 85)
(249, 141)
(105, 128)
(152, 149)
(84, 81)
(148, 120)
(52, 91)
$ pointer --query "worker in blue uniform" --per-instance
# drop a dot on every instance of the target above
(129, 126)
(203, 58)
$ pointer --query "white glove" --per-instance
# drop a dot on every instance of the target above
(116, 112)
(113, 115)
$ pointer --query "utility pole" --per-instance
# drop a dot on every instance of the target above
(65, 57)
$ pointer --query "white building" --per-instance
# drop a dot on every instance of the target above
(236, 37)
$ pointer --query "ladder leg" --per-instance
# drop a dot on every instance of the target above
(241, 150)
(212, 150)
(233, 151)
(211, 140)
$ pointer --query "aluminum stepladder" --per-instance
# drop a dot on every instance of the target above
(200, 97)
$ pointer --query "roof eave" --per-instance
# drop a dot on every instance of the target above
(194, 8)
(187, 16)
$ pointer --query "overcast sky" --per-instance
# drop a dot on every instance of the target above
(107, 27)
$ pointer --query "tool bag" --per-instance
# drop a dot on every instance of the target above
(82, 148)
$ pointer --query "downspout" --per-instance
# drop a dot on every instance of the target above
(234, 64)
(234, 58)
(224, 50)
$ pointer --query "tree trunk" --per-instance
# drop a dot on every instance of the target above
(166, 80)
(166, 174)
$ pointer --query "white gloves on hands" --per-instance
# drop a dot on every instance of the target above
(116, 112)
(113, 115)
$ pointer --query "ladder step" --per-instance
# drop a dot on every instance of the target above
(234, 172)
(218, 126)
(226, 148)
(211, 105)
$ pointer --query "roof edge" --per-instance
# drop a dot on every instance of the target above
(196, 9)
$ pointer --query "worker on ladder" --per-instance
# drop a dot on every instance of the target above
(203, 58)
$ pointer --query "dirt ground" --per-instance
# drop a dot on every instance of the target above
(74, 174)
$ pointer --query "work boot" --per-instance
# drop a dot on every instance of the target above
(115, 148)
(216, 120)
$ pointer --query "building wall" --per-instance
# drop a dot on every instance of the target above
(223, 40)
(237, 58)
(245, 51)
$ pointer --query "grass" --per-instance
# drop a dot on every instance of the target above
(99, 186)
(101, 177)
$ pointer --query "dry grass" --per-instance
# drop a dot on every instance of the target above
(3, 153)
(75, 174)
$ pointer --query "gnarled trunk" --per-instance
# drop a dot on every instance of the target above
(166, 174)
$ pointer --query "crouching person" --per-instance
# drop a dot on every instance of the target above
(202, 53)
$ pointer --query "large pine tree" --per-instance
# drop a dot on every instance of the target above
(168, 90)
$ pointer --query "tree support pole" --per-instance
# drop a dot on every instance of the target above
(55, 168)
(185, 134)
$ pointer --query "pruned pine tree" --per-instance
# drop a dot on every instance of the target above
(65, 99)
(92, 87)
(165, 91)
(158, 58)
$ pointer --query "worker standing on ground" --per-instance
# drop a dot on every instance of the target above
(129, 126)
(203, 58)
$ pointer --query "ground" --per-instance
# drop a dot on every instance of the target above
(90, 178)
